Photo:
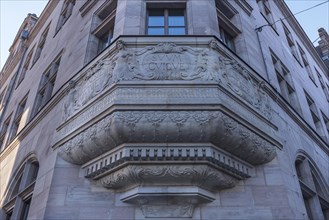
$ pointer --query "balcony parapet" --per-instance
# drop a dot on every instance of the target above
(161, 112)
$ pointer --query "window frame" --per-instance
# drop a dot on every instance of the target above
(285, 82)
(25, 67)
(41, 45)
(3, 132)
(227, 28)
(46, 86)
(17, 119)
(101, 19)
(166, 26)
(20, 191)
(66, 12)
(310, 180)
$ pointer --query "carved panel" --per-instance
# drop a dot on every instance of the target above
(170, 62)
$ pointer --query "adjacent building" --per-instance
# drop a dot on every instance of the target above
(144, 109)
(323, 47)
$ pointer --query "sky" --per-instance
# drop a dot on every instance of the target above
(13, 13)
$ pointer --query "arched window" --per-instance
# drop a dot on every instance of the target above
(314, 189)
(20, 192)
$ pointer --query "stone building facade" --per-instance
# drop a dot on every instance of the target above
(172, 109)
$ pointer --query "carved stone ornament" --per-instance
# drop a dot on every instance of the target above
(149, 119)
(167, 201)
(182, 175)
(167, 127)
(169, 62)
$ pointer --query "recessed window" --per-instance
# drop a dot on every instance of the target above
(41, 44)
(285, 82)
(65, 13)
(322, 83)
(166, 21)
(3, 132)
(265, 10)
(18, 202)
(25, 67)
(17, 119)
(312, 189)
(102, 29)
(314, 112)
(291, 42)
(2, 95)
(227, 38)
(46, 86)
(326, 125)
(227, 29)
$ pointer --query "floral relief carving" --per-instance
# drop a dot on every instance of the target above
(167, 127)
(197, 175)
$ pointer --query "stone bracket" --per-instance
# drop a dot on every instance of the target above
(167, 202)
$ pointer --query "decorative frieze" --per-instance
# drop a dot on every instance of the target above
(167, 62)
(168, 127)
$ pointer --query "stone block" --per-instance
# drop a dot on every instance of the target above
(62, 212)
(269, 196)
(234, 213)
(237, 199)
(273, 176)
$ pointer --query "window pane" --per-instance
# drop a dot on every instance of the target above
(156, 31)
(176, 18)
(176, 31)
(156, 18)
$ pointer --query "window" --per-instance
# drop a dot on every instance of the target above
(306, 64)
(46, 86)
(227, 30)
(290, 41)
(325, 90)
(285, 82)
(102, 29)
(166, 21)
(313, 189)
(65, 13)
(19, 197)
(2, 95)
(41, 44)
(314, 111)
(264, 7)
(326, 125)
(25, 67)
(17, 119)
(3, 132)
